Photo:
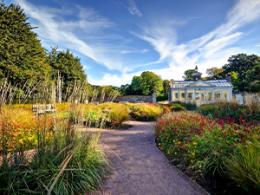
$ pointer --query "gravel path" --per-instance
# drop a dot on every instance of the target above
(138, 167)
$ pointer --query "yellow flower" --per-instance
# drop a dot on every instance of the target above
(30, 138)
(20, 141)
(194, 143)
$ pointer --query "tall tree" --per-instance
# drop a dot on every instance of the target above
(253, 78)
(166, 87)
(239, 66)
(22, 58)
(136, 85)
(188, 74)
(68, 68)
(151, 83)
(126, 89)
(146, 84)
(215, 73)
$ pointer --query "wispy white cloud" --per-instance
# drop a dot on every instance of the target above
(86, 33)
(83, 33)
(113, 79)
(211, 49)
(133, 9)
(130, 51)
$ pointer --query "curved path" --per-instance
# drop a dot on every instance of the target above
(138, 167)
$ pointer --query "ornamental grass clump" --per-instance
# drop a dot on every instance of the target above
(63, 161)
(145, 111)
(117, 113)
(243, 167)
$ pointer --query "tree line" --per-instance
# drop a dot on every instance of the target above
(243, 69)
(28, 72)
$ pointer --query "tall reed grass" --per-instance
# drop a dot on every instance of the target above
(62, 160)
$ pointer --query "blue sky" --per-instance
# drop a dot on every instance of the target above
(117, 39)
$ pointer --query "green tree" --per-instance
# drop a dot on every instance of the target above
(126, 89)
(166, 87)
(215, 73)
(136, 85)
(188, 74)
(253, 78)
(242, 69)
(146, 84)
(22, 58)
(68, 68)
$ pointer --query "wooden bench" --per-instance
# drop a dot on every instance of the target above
(43, 108)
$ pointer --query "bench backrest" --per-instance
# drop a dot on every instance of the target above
(43, 108)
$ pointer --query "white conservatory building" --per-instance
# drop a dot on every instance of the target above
(200, 91)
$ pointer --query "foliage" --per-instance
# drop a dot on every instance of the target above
(215, 73)
(187, 106)
(177, 107)
(103, 93)
(94, 116)
(243, 69)
(244, 166)
(252, 78)
(117, 113)
(202, 146)
(230, 111)
(18, 130)
(145, 84)
(165, 92)
(23, 61)
(22, 57)
(136, 85)
(68, 69)
(145, 111)
(188, 74)
(63, 162)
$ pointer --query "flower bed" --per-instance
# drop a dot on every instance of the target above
(231, 112)
(62, 161)
(209, 151)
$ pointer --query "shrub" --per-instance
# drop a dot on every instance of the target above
(187, 106)
(238, 113)
(145, 111)
(18, 129)
(94, 116)
(165, 108)
(174, 131)
(243, 167)
(201, 146)
(177, 107)
(117, 113)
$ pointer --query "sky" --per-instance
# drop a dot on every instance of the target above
(117, 39)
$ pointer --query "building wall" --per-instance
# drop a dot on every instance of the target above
(136, 98)
(201, 96)
(247, 98)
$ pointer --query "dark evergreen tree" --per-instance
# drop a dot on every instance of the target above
(22, 58)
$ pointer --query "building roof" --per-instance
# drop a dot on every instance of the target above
(200, 83)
